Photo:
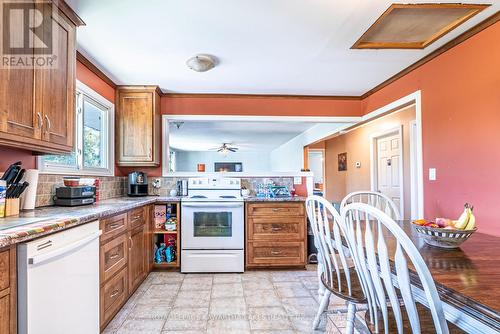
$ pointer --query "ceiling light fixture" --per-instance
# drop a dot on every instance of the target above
(201, 63)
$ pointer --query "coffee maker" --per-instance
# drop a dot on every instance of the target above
(137, 184)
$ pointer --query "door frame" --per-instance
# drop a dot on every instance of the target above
(323, 166)
(413, 169)
(395, 106)
(374, 162)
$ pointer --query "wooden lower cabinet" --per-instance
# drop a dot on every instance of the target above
(124, 259)
(137, 263)
(276, 234)
(8, 291)
(114, 293)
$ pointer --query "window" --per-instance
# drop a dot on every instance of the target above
(93, 153)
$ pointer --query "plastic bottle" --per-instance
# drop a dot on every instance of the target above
(3, 193)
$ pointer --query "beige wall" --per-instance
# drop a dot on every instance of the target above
(357, 145)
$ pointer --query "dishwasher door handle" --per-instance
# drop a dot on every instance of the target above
(63, 250)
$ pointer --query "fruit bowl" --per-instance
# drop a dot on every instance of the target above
(442, 237)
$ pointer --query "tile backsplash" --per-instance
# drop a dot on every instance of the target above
(110, 187)
(116, 186)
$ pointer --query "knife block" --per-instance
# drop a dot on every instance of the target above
(11, 207)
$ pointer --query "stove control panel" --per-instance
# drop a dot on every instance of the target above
(214, 183)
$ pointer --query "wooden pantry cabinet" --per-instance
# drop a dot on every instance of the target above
(37, 105)
(124, 259)
(276, 234)
(138, 126)
(8, 291)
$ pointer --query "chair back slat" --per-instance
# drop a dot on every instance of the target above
(367, 228)
(373, 269)
(385, 272)
(403, 279)
(375, 199)
(324, 219)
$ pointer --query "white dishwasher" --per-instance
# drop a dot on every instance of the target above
(58, 282)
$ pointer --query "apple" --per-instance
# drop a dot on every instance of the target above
(441, 222)
(431, 224)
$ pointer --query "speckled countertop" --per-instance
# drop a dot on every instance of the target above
(32, 224)
(280, 199)
(42, 221)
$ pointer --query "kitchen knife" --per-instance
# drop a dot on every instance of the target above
(9, 169)
(19, 176)
(12, 175)
(20, 189)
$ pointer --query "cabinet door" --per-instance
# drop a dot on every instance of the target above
(137, 258)
(135, 127)
(55, 87)
(17, 114)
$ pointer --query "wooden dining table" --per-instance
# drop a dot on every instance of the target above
(467, 278)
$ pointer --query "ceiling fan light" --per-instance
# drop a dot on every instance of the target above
(201, 63)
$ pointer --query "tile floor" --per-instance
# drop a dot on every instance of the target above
(252, 302)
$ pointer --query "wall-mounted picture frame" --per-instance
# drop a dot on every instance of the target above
(228, 167)
(342, 157)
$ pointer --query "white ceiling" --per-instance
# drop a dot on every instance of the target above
(246, 136)
(264, 46)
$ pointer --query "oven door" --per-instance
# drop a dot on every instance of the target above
(212, 225)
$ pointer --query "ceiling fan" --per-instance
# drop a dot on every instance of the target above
(225, 148)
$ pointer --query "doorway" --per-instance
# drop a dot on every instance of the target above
(387, 165)
(316, 163)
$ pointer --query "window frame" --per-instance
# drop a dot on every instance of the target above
(82, 91)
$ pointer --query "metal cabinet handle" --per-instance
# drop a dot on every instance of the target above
(48, 122)
(276, 210)
(131, 242)
(114, 225)
(40, 120)
(150, 152)
(275, 252)
(114, 256)
(114, 293)
(276, 228)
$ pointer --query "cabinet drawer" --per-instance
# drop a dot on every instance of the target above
(275, 254)
(5, 269)
(113, 226)
(113, 295)
(276, 228)
(113, 256)
(137, 217)
(275, 209)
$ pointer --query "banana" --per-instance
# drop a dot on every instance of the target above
(471, 224)
(463, 220)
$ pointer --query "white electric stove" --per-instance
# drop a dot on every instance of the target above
(212, 222)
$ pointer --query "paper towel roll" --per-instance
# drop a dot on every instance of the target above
(28, 198)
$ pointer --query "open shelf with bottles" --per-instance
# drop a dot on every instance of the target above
(166, 235)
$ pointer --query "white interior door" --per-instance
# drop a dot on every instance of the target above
(389, 165)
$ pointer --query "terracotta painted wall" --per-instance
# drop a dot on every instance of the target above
(461, 127)
(357, 145)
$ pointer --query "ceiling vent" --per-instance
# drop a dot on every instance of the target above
(201, 63)
(415, 26)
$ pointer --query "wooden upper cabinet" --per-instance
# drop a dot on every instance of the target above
(17, 108)
(37, 105)
(138, 126)
(55, 87)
